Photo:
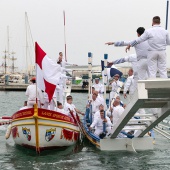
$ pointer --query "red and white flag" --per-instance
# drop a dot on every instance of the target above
(48, 72)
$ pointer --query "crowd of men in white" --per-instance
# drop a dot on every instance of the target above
(150, 57)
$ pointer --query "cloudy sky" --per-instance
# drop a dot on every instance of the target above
(89, 24)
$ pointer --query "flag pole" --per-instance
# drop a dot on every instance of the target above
(36, 72)
(90, 78)
(65, 47)
(167, 12)
(105, 83)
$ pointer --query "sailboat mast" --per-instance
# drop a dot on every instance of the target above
(8, 56)
(26, 43)
(13, 64)
(5, 64)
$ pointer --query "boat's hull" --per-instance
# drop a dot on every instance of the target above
(116, 144)
(45, 130)
(95, 140)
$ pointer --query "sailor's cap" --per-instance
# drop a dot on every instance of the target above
(33, 78)
(96, 78)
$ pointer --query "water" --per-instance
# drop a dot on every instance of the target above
(82, 156)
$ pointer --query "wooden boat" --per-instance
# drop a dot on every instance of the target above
(42, 129)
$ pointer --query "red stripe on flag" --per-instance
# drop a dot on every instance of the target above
(49, 89)
(40, 54)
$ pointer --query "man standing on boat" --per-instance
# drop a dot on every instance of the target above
(60, 88)
(52, 103)
(98, 87)
(95, 102)
(63, 62)
(62, 83)
(158, 38)
(31, 93)
(129, 85)
(115, 85)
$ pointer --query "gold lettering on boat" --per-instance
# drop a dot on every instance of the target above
(58, 116)
(26, 113)
(46, 113)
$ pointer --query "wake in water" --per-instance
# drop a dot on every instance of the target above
(3, 128)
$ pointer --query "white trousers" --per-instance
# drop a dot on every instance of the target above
(157, 62)
(112, 95)
(30, 103)
(48, 105)
(142, 66)
(60, 94)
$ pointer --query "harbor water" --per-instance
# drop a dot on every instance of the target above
(83, 156)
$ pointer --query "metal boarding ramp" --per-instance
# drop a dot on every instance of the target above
(153, 93)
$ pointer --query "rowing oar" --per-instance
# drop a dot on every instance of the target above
(77, 121)
(6, 117)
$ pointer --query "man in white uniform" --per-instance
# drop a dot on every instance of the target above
(60, 108)
(69, 106)
(115, 85)
(98, 87)
(62, 62)
(62, 83)
(31, 93)
(60, 88)
(48, 105)
(95, 104)
(129, 85)
(97, 114)
(99, 98)
(158, 38)
(98, 124)
(132, 58)
(139, 65)
(115, 111)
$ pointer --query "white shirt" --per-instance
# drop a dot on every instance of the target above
(158, 38)
(24, 107)
(129, 85)
(68, 107)
(99, 87)
(61, 111)
(64, 63)
(115, 85)
(31, 93)
(98, 123)
(117, 112)
(141, 49)
(95, 105)
(133, 60)
(97, 114)
(100, 100)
